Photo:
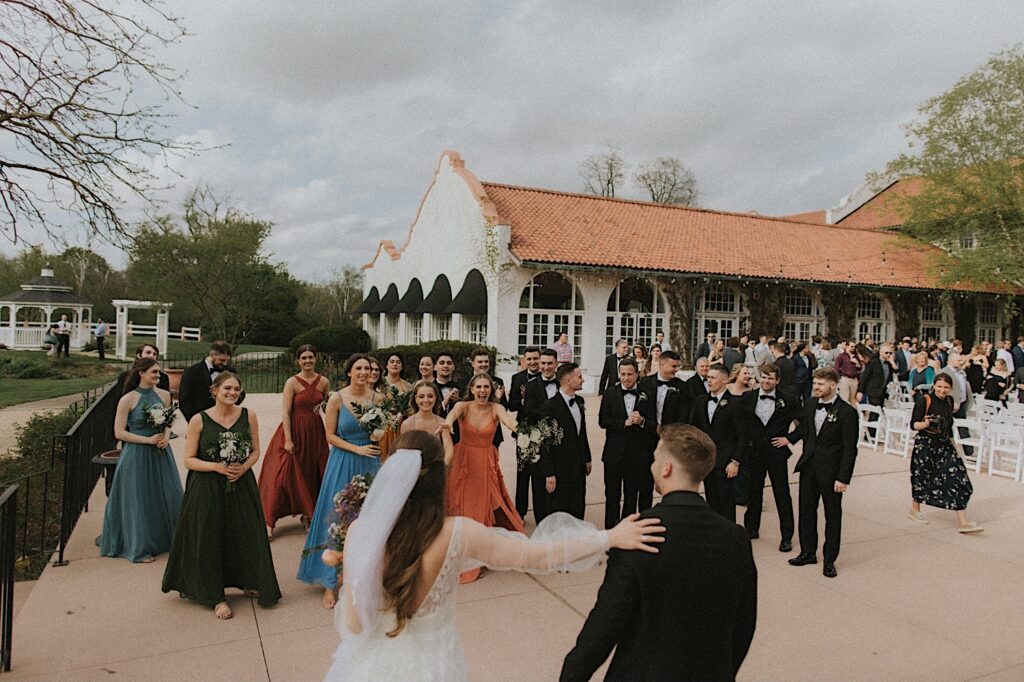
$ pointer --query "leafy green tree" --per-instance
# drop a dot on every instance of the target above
(331, 302)
(965, 174)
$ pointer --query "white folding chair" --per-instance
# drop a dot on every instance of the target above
(987, 409)
(1005, 450)
(870, 432)
(974, 439)
(899, 437)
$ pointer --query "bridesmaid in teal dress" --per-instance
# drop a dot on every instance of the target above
(220, 540)
(352, 453)
(145, 495)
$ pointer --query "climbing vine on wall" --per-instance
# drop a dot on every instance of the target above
(678, 293)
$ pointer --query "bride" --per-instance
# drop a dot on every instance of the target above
(403, 557)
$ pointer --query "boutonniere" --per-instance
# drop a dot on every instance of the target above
(723, 402)
(832, 416)
(642, 397)
(780, 404)
(672, 389)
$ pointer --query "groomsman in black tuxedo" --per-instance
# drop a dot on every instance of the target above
(669, 401)
(146, 350)
(769, 412)
(697, 385)
(480, 361)
(516, 396)
(828, 428)
(628, 447)
(689, 611)
(194, 391)
(565, 466)
(449, 389)
(719, 414)
(610, 373)
(538, 392)
(787, 373)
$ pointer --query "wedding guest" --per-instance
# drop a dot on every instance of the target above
(904, 359)
(787, 374)
(963, 400)
(220, 539)
(294, 463)
(476, 488)
(629, 442)
(101, 338)
(823, 354)
(404, 548)
(977, 368)
(739, 380)
(769, 412)
(828, 428)
(762, 353)
(610, 371)
(671, 401)
(650, 366)
(935, 358)
(395, 365)
(873, 383)
(849, 373)
(802, 372)
(998, 383)
(450, 390)
(719, 415)
(145, 494)
(938, 476)
(663, 344)
(704, 349)
(51, 342)
(147, 350)
(424, 415)
(376, 374)
(690, 613)
(921, 374)
(1004, 354)
(563, 348)
(516, 396)
(731, 354)
(1017, 352)
(63, 332)
(426, 368)
(538, 392)
(697, 385)
(352, 453)
(640, 355)
(565, 467)
(717, 354)
(1018, 381)
(194, 392)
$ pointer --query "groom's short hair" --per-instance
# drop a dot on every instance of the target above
(690, 448)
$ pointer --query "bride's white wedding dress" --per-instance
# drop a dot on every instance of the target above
(429, 648)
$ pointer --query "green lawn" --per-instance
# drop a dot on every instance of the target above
(84, 374)
(178, 347)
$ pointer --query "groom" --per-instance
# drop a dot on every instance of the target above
(687, 612)
(564, 467)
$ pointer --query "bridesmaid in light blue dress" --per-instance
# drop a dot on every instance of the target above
(145, 496)
(352, 453)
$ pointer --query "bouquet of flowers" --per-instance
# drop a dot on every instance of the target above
(372, 418)
(347, 505)
(532, 438)
(387, 414)
(161, 416)
(321, 407)
(232, 448)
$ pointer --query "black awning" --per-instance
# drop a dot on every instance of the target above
(472, 298)
(369, 303)
(412, 299)
(439, 298)
(388, 303)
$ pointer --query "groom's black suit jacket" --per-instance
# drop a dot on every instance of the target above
(568, 460)
(194, 390)
(685, 613)
(831, 453)
(626, 446)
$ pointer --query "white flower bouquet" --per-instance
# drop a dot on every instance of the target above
(161, 416)
(232, 448)
(532, 438)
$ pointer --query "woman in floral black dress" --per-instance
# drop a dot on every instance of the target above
(938, 476)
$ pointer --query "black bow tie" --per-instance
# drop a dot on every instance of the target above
(571, 401)
(712, 399)
(531, 376)
(824, 406)
(630, 391)
(765, 396)
(214, 370)
(548, 382)
(664, 382)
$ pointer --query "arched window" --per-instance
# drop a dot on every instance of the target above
(991, 322)
(937, 321)
(722, 311)
(804, 316)
(636, 312)
(551, 304)
(874, 318)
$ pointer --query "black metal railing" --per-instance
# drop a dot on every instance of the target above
(8, 530)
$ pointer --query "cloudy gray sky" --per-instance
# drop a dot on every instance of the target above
(334, 113)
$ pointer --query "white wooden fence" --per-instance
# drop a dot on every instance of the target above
(185, 333)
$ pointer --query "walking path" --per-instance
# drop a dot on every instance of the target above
(911, 602)
(16, 415)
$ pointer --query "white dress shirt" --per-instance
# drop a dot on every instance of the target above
(713, 404)
(819, 415)
(550, 389)
(659, 401)
(630, 401)
(574, 407)
(765, 408)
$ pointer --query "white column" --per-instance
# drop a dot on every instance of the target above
(428, 323)
(595, 296)
(161, 330)
(402, 333)
(121, 346)
(456, 330)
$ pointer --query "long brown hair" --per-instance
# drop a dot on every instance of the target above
(414, 408)
(419, 523)
(469, 397)
(134, 378)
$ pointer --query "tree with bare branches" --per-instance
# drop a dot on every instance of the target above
(668, 181)
(603, 173)
(76, 136)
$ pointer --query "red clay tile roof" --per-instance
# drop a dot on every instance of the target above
(816, 217)
(881, 211)
(586, 230)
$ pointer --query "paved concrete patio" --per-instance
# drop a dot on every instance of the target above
(911, 602)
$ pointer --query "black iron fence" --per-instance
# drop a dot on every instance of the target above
(8, 530)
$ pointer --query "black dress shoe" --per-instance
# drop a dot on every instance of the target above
(803, 559)
(829, 571)
(785, 546)
(753, 534)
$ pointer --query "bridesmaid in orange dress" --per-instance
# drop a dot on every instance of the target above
(293, 465)
(475, 486)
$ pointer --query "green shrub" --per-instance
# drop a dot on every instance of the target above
(331, 340)
(412, 354)
(35, 444)
(24, 368)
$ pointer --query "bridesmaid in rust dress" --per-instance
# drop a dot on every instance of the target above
(293, 466)
(475, 486)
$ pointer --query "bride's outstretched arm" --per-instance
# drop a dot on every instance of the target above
(560, 543)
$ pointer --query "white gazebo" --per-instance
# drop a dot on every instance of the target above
(26, 314)
(121, 327)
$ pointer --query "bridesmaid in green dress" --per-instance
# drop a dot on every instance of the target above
(220, 540)
(145, 495)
